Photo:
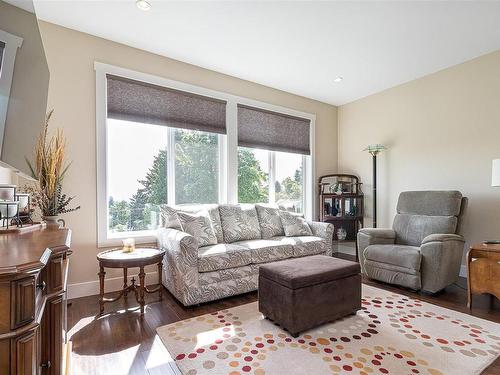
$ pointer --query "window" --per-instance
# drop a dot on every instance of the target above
(271, 177)
(137, 175)
(196, 167)
(271, 157)
(253, 175)
(9, 44)
(161, 141)
(139, 180)
(289, 189)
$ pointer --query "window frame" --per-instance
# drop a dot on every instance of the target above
(228, 150)
(12, 43)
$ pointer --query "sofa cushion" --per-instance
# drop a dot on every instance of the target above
(302, 272)
(397, 255)
(170, 220)
(412, 229)
(222, 256)
(239, 222)
(198, 225)
(294, 225)
(269, 220)
(264, 251)
(307, 245)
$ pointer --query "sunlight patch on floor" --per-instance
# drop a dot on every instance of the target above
(209, 337)
(79, 325)
(158, 358)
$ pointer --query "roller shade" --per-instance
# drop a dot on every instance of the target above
(142, 102)
(274, 131)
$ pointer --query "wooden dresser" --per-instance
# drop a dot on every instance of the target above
(483, 271)
(33, 274)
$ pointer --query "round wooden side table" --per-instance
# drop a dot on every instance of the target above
(140, 257)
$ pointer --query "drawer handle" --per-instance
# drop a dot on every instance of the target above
(41, 286)
(46, 365)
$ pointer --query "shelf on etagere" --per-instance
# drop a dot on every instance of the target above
(341, 203)
(347, 217)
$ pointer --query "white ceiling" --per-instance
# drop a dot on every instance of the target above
(299, 47)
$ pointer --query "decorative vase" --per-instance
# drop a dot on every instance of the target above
(54, 222)
(341, 234)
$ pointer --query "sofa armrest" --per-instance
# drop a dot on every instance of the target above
(323, 230)
(441, 261)
(180, 263)
(175, 240)
(373, 236)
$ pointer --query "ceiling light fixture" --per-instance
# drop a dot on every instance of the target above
(143, 4)
(338, 79)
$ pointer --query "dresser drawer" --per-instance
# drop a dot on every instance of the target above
(23, 294)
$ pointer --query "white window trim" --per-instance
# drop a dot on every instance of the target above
(228, 177)
(12, 43)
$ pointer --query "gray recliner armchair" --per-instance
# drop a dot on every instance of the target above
(422, 251)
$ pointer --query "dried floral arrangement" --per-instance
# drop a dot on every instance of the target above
(49, 169)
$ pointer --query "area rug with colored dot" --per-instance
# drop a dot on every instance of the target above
(392, 334)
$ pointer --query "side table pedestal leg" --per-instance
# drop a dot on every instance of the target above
(141, 289)
(101, 289)
(160, 277)
(125, 292)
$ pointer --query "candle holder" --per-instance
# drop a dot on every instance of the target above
(9, 212)
(25, 211)
(128, 245)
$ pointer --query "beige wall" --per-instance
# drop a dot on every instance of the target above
(71, 56)
(442, 132)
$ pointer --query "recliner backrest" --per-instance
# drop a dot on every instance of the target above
(421, 213)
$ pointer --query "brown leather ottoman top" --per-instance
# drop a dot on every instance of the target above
(307, 271)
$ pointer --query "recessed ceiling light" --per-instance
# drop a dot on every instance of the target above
(338, 79)
(143, 4)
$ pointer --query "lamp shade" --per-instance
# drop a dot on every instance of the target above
(495, 173)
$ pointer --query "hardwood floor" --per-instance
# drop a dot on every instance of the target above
(121, 343)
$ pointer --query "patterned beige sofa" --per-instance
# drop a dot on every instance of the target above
(247, 236)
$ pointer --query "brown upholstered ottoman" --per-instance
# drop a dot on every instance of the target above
(302, 293)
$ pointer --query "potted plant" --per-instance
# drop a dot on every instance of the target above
(49, 170)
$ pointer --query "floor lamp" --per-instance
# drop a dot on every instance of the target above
(375, 150)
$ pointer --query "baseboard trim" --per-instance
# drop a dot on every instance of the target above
(90, 288)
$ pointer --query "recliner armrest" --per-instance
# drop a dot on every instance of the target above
(373, 236)
(441, 260)
(441, 237)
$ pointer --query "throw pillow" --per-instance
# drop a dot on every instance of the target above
(270, 221)
(169, 216)
(239, 222)
(199, 226)
(294, 225)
